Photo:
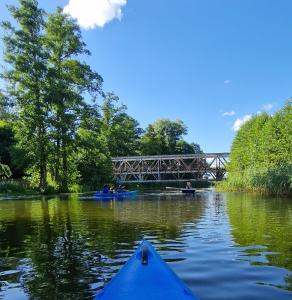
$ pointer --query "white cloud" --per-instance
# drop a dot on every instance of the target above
(227, 81)
(95, 13)
(267, 106)
(239, 122)
(228, 113)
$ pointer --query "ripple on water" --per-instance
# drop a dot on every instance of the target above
(223, 246)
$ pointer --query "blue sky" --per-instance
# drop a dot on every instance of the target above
(192, 60)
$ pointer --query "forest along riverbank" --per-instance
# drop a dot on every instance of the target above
(223, 246)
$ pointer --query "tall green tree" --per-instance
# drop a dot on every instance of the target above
(26, 78)
(4, 107)
(166, 137)
(260, 158)
(6, 142)
(121, 131)
(92, 156)
(248, 147)
(278, 141)
(68, 81)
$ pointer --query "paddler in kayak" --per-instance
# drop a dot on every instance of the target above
(105, 189)
(121, 189)
(189, 186)
(112, 189)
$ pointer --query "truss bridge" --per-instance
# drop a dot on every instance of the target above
(164, 168)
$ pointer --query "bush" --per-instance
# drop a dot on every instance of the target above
(15, 187)
(275, 180)
(260, 158)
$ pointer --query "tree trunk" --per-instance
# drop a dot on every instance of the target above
(64, 186)
(42, 161)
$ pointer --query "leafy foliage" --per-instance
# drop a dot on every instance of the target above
(261, 158)
(121, 132)
(6, 141)
(166, 137)
(4, 107)
(5, 170)
(25, 76)
(92, 157)
(10, 154)
(68, 79)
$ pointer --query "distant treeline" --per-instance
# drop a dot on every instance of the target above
(261, 155)
(58, 127)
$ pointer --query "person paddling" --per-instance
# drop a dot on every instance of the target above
(189, 186)
(105, 189)
(121, 189)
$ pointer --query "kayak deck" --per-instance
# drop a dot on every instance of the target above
(145, 277)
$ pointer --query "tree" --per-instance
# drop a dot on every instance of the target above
(10, 153)
(4, 171)
(6, 142)
(183, 147)
(92, 159)
(166, 137)
(4, 107)
(91, 155)
(260, 158)
(121, 131)
(248, 146)
(26, 75)
(278, 145)
(68, 80)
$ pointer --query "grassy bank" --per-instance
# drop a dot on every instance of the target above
(19, 187)
(15, 188)
(270, 181)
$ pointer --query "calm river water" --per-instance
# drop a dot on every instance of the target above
(223, 246)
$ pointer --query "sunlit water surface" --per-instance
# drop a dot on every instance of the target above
(223, 246)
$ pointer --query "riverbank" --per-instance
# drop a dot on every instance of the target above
(276, 181)
(16, 188)
(19, 188)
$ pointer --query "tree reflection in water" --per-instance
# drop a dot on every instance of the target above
(69, 248)
(262, 226)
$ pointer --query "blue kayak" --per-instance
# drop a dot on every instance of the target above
(188, 191)
(146, 277)
(115, 195)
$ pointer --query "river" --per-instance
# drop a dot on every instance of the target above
(223, 246)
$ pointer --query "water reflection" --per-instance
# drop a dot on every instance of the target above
(262, 227)
(222, 246)
(69, 248)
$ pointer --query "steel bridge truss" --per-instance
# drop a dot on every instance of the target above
(207, 166)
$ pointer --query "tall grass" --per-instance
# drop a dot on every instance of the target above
(15, 187)
(275, 180)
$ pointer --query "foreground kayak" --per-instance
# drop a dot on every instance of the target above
(115, 195)
(146, 277)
